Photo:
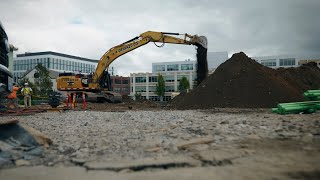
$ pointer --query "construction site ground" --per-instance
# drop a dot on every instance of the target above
(146, 140)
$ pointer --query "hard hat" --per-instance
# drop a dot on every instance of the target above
(26, 84)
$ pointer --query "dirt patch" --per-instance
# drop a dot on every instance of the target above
(304, 78)
(243, 83)
(128, 105)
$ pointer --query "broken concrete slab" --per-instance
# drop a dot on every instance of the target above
(22, 162)
(78, 161)
(40, 137)
(140, 164)
(11, 121)
(19, 143)
(24, 134)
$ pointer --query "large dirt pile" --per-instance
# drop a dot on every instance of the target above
(303, 78)
(242, 82)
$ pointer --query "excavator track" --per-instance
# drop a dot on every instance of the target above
(112, 97)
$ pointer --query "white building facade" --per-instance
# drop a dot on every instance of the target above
(52, 74)
(52, 60)
(285, 60)
(172, 72)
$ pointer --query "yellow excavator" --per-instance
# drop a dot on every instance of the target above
(99, 82)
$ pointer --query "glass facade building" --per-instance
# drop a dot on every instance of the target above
(52, 60)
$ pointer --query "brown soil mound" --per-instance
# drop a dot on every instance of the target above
(244, 83)
(303, 78)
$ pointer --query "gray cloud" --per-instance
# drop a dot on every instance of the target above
(88, 29)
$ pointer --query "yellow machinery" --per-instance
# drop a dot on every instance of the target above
(99, 81)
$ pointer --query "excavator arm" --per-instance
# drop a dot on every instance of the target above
(144, 38)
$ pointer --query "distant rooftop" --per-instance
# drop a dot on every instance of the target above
(56, 54)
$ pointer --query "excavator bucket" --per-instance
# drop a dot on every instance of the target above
(201, 40)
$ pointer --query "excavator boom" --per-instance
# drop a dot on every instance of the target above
(142, 39)
(99, 82)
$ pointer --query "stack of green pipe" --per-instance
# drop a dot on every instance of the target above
(312, 95)
(297, 107)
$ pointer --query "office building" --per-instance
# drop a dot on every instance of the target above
(286, 60)
(172, 72)
(52, 60)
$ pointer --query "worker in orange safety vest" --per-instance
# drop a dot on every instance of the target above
(12, 97)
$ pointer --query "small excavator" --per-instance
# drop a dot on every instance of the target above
(99, 82)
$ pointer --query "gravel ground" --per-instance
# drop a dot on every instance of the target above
(235, 136)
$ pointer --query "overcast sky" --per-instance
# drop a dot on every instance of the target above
(89, 28)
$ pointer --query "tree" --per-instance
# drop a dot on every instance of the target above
(137, 96)
(184, 84)
(160, 87)
(42, 80)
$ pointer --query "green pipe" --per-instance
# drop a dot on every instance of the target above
(304, 102)
(314, 90)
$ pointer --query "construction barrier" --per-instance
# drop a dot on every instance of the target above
(74, 100)
(84, 100)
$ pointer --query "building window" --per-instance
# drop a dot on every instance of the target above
(56, 64)
(124, 89)
(169, 88)
(152, 88)
(140, 89)
(169, 78)
(269, 62)
(117, 89)
(125, 81)
(159, 68)
(117, 81)
(14, 65)
(179, 77)
(288, 62)
(194, 77)
(166, 98)
(173, 67)
(154, 98)
(34, 63)
(140, 79)
(48, 63)
(153, 79)
(185, 67)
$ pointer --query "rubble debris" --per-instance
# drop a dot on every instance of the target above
(20, 143)
(22, 112)
(154, 149)
(22, 162)
(241, 82)
(195, 142)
